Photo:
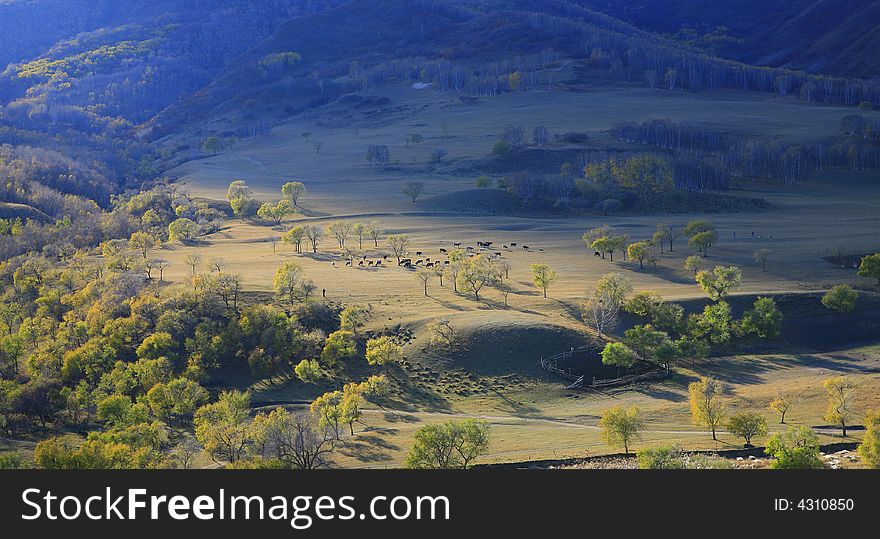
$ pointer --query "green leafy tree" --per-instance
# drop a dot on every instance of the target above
(276, 212)
(241, 199)
(543, 276)
(694, 263)
(869, 448)
(870, 267)
(294, 191)
(747, 425)
(308, 371)
(340, 346)
(454, 444)
(720, 282)
(764, 320)
(619, 355)
(383, 351)
(796, 448)
(641, 251)
(222, 427)
(183, 229)
(621, 427)
(841, 298)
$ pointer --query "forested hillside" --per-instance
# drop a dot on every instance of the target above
(835, 37)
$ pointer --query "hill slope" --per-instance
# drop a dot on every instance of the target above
(835, 37)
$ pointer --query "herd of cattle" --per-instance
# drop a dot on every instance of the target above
(420, 260)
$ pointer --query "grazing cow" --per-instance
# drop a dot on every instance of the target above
(443, 251)
(526, 247)
(447, 262)
(370, 263)
(408, 265)
(497, 254)
(427, 259)
(419, 262)
(378, 263)
(457, 244)
(541, 250)
(469, 248)
(405, 261)
(513, 244)
(385, 257)
(348, 263)
(418, 253)
(361, 263)
(506, 247)
(429, 265)
(597, 253)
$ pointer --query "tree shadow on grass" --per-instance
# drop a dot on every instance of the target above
(368, 448)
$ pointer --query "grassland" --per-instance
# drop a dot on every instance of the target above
(496, 378)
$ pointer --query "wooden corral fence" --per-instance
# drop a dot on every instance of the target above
(556, 365)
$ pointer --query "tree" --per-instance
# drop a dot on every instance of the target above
(543, 276)
(294, 439)
(707, 409)
(182, 229)
(718, 283)
(339, 346)
(870, 267)
(703, 241)
(869, 448)
(412, 190)
(454, 444)
(350, 405)
(475, 273)
(359, 230)
(640, 251)
(374, 230)
(314, 234)
(398, 245)
(747, 425)
(443, 333)
(340, 231)
(694, 263)
(619, 355)
(276, 212)
(143, 242)
(646, 175)
(193, 260)
(841, 298)
(840, 397)
(295, 237)
(308, 371)
(241, 199)
(353, 317)
(327, 409)
(782, 403)
(761, 256)
(378, 154)
(651, 345)
(222, 427)
(540, 136)
(614, 287)
(713, 324)
(424, 275)
(213, 144)
(669, 233)
(289, 285)
(383, 351)
(620, 427)
(293, 192)
(764, 320)
(483, 182)
(796, 448)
